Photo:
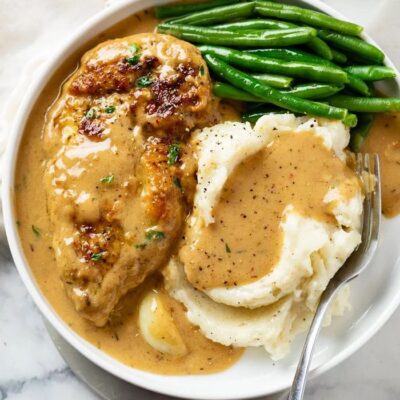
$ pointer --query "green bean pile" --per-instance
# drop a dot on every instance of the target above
(281, 58)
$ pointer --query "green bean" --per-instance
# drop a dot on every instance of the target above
(218, 14)
(251, 61)
(357, 59)
(299, 55)
(360, 132)
(353, 45)
(371, 72)
(314, 90)
(255, 24)
(338, 57)
(255, 87)
(366, 104)
(316, 44)
(320, 47)
(309, 17)
(290, 55)
(276, 81)
(353, 82)
(227, 91)
(305, 91)
(273, 38)
(350, 120)
(357, 85)
(175, 10)
(252, 115)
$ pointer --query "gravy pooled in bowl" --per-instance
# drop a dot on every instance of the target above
(384, 140)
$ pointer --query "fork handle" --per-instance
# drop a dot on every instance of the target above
(300, 378)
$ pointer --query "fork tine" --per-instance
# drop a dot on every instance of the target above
(359, 164)
(377, 200)
(359, 170)
(367, 223)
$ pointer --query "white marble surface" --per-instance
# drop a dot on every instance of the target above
(30, 366)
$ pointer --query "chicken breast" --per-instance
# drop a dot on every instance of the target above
(118, 175)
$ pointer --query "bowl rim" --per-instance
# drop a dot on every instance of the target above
(150, 381)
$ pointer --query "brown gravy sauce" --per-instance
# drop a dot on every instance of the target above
(120, 338)
(384, 139)
(296, 169)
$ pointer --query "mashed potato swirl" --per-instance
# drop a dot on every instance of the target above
(273, 308)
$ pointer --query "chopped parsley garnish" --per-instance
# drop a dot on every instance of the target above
(134, 48)
(173, 153)
(150, 235)
(91, 114)
(107, 179)
(36, 231)
(227, 248)
(109, 109)
(133, 60)
(153, 234)
(202, 70)
(144, 81)
(97, 257)
(177, 182)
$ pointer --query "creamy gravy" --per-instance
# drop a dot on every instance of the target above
(384, 139)
(120, 338)
(295, 169)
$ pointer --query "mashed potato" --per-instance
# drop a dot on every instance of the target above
(271, 309)
(273, 327)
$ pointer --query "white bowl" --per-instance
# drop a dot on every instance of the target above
(375, 295)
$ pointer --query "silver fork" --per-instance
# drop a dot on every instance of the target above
(369, 172)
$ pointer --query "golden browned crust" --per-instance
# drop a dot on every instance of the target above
(166, 91)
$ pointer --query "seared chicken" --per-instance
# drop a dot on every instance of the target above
(119, 178)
